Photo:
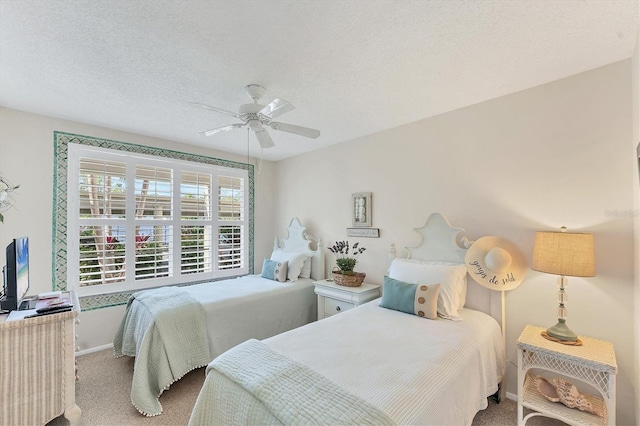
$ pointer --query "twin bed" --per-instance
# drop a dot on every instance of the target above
(372, 364)
(368, 365)
(173, 330)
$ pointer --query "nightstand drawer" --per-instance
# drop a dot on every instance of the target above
(334, 298)
(333, 306)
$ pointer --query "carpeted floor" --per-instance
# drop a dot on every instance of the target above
(105, 383)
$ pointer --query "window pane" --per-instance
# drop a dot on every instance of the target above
(230, 198)
(230, 248)
(102, 188)
(153, 192)
(195, 195)
(196, 249)
(153, 251)
(158, 220)
(102, 255)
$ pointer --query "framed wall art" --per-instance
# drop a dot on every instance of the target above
(361, 204)
(363, 232)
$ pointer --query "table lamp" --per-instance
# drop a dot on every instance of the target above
(564, 254)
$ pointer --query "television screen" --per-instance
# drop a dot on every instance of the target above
(16, 274)
(22, 268)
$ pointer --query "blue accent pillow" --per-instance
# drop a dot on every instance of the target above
(274, 270)
(415, 299)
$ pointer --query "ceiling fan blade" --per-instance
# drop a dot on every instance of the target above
(264, 139)
(216, 109)
(276, 108)
(298, 130)
(221, 129)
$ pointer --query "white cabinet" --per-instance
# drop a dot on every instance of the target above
(37, 368)
(593, 363)
(334, 298)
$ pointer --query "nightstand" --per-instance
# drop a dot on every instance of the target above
(334, 298)
(593, 363)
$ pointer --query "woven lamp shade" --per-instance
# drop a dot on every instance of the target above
(564, 253)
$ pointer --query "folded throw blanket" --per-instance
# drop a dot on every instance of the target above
(293, 393)
(165, 329)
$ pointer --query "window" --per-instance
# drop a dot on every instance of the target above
(137, 221)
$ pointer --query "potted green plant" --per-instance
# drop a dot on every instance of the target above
(346, 259)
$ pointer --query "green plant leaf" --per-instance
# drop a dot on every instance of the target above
(346, 264)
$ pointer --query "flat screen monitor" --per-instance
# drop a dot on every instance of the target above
(16, 274)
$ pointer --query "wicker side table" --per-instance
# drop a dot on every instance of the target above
(38, 373)
(593, 363)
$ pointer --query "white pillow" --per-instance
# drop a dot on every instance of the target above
(463, 292)
(450, 277)
(296, 262)
(306, 268)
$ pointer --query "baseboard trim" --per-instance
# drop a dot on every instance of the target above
(96, 349)
(512, 396)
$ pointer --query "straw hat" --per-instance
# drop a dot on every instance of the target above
(495, 263)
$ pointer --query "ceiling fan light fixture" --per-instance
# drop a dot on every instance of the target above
(255, 125)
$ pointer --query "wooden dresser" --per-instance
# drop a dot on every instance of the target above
(37, 368)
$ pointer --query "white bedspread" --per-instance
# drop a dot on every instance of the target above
(290, 391)
(417, 371)
(234, 311)
(253, 307)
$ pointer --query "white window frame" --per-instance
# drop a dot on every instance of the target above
(76, 152)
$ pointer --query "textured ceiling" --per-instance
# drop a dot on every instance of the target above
(350, 67)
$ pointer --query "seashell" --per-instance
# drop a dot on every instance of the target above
(546, 389)
(561, 390)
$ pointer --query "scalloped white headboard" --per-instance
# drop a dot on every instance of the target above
(441, 243)
(300, 242)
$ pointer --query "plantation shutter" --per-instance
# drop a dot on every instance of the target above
(231, 199)
(101, 209)
(140, 221)
(153, 209)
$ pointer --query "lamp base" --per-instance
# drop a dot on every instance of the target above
(544, 334)
(560, 331)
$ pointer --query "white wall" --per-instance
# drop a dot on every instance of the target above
(554, 155)
(26, 158)
(636, 208)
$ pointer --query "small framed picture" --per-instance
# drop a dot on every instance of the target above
(363, 232)
(361, 203)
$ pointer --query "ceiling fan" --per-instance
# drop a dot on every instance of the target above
(258, 117)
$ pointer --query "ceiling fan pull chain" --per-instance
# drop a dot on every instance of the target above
(259, 161)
